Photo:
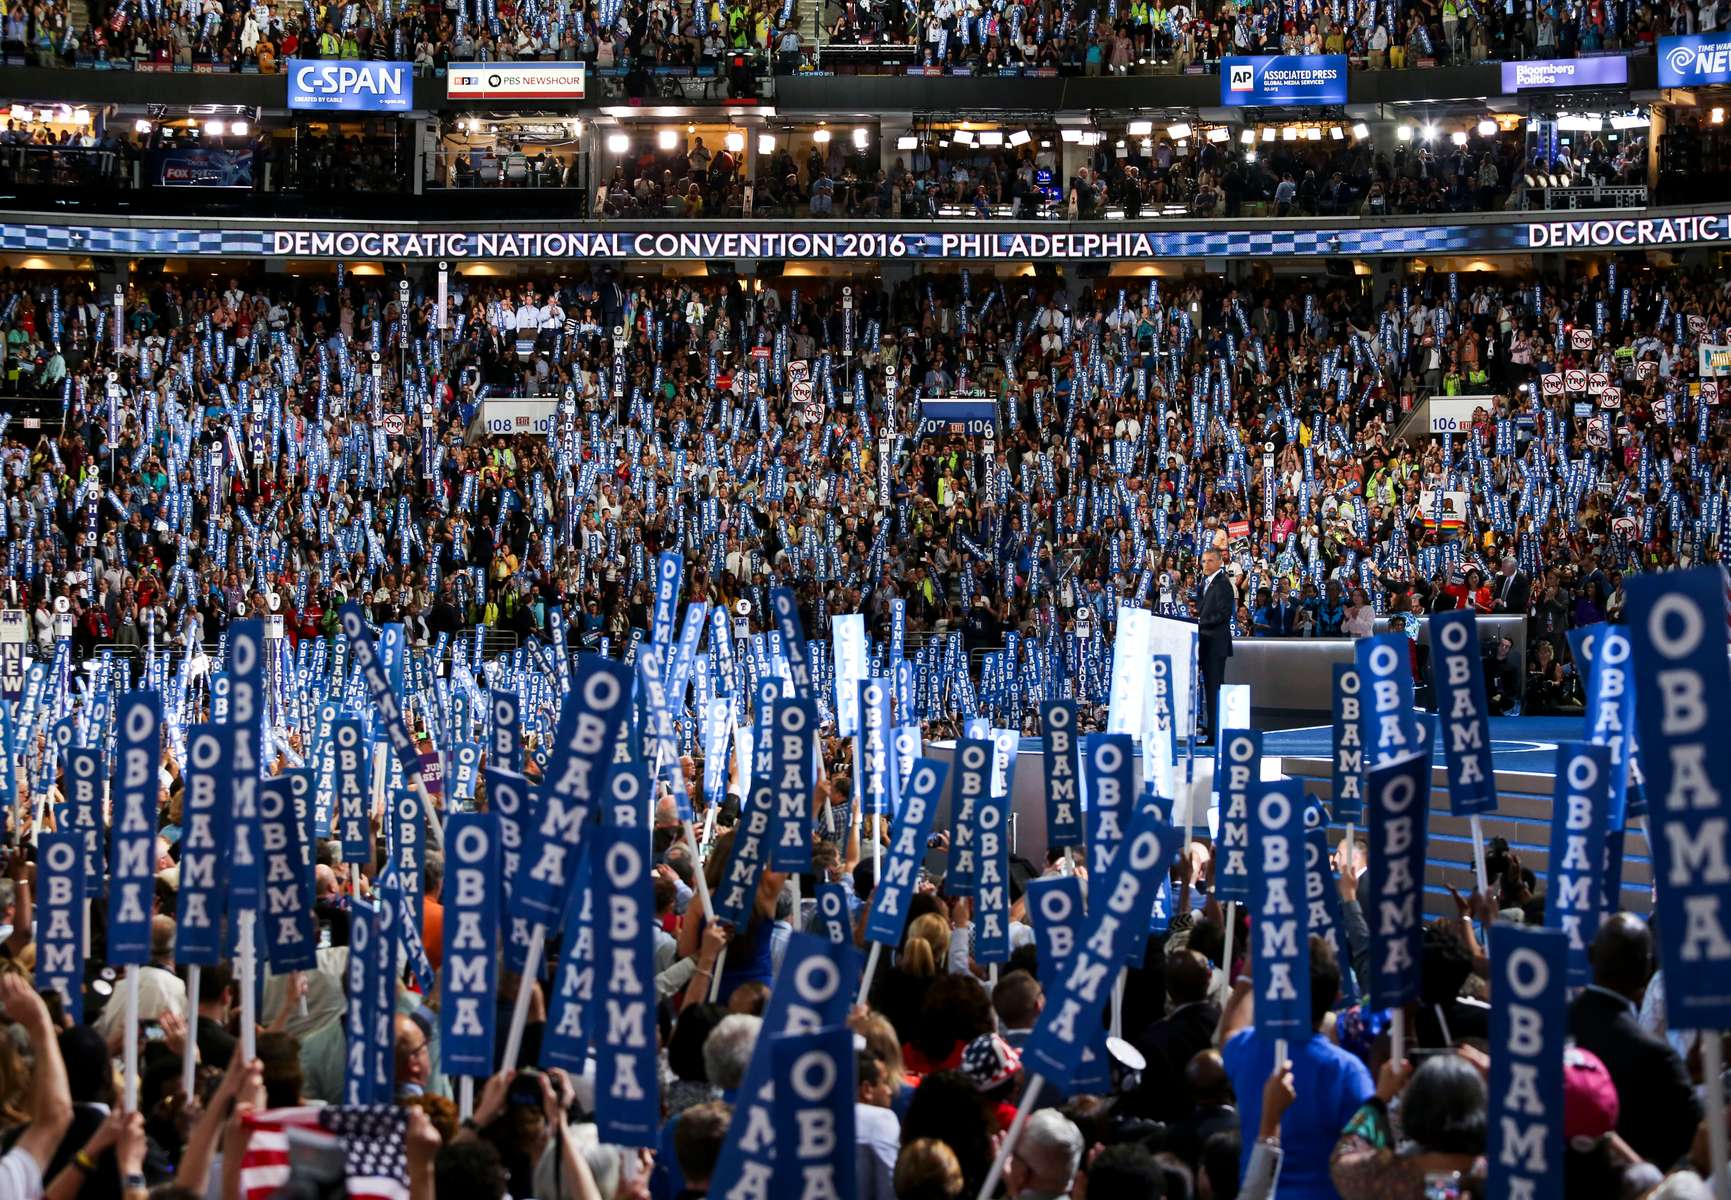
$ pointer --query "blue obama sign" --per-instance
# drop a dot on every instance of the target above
(1283, 80)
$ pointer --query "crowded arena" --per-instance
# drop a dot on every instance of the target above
(862, 602)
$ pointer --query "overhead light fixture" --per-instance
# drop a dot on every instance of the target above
(1458, 137)
(215, 127)
(1248, 137)
(1487, 128)
(1429, 133)
(81, 115)
(862, 138)
(1716, 117)
(766, 143)
(1140, 128)
(668, 139)
(1630, 121)
(992, 137)
(1336, 133)
(1268, 133)
(1021, 137)
(1360, 131)
(963, 137)
(820, 136)
(907, 142)
(1313, 134)
(1289, 134)
(618, 143)
(141, 126)
(1404, 133)
(1178, 132)
(1075, 135)
(734, 141)
(1219, 134)
(239, 128)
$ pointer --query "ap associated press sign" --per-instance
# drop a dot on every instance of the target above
(515, 81)
(350, 86)
(1694, 61)
(1283, 80)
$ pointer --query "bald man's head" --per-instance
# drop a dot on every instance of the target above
(1622, 955)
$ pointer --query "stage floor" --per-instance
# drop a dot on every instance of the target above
(1517, 743)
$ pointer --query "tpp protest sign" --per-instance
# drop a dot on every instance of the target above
(60, 919)
(814, 1106)
(971, 784)
(1682, 699)
(469, 987)
(1399, 803)
(1385, 677)
(1281, 963)
(1465, 711)
(627, 1087)
(1239, 769)
(1062, 764)
(1574, 900)
(1117, 923)
(588, 729)
(895, 887)
(290, 932)
(812, 990)
(1529, 1023)
(205, 835)
(793, 723)
(1110, 786)
(132, 869)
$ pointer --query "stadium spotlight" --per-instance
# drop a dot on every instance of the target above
(1178, 132)
(1487, 128)
(766, 143)
(1404, 133)
(992, 137)
(1336, 133)
(1250, 156)
(1070, 135)
(1313, 134)
(1021, 137)
(962, 137)
(1248, 137)
(861, 137)
(1289, 134)
(1268, 133)
(1716, 117)
(215, 127)
(907, 142)
(141, 126)
(820, 136)
(1458, 137)
(1219, 134)
(618, 143)
(668, 139)
(1360, 131)
(734, 141)
(1429, 133)
(239, 129)
(1141, 128)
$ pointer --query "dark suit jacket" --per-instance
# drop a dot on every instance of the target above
(1659, 1112)
(1512, 593)
(1214, 617)
(1169, 1044)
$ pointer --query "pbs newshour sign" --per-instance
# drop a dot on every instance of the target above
(350, 85)
(1694, 61)
(1283, 80)
(515, 81)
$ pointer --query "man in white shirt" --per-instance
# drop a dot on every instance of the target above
(160, 990)
(528, 316)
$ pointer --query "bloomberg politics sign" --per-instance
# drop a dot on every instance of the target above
(1695, 60)
(943, 242)
(1607, 71)
(349, 85)
(1283, 80)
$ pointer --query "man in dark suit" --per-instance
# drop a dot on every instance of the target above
(1171, 1042)
(1659, 1111)
(1512, 589)
(1215, 602)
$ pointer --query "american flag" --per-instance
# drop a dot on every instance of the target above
(372, 1140)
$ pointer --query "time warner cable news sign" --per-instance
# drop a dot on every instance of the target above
(1283, 80)
(350, 85)
(1694, 61)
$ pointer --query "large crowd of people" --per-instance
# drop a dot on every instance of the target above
(943, 34)
(231, 446)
